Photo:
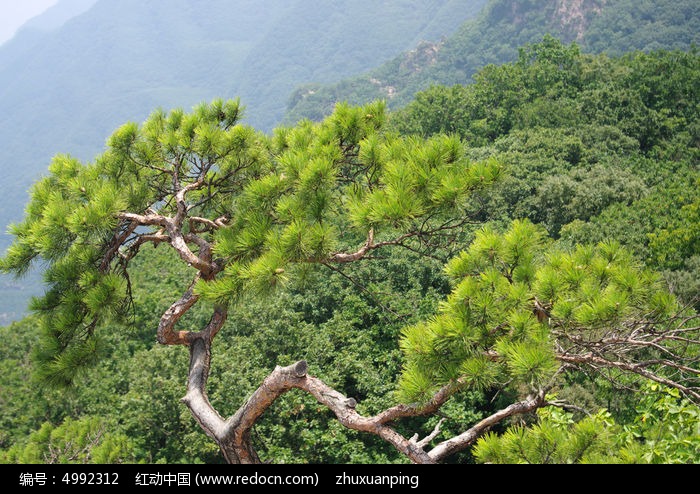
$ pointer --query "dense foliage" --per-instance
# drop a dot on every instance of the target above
(134, 57)
(597, 147)
(598, 150)
(666, 430)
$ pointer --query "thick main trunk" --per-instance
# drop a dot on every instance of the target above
(240, 452)
(234, 441)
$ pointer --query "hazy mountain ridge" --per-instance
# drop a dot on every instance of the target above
(58, 14)
(611, 26)
(347, 45)
(34, 31)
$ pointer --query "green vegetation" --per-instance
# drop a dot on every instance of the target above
(614, 27)
(135, 57)
(666, 430)
(503, 252)
(597, 148)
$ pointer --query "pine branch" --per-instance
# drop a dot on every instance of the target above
(166, 334)
(233, 434)
(282, 380)
(208, 225)
(115, 244)
(635, 368)
(176, 239)
(467, 438)
(426, 440)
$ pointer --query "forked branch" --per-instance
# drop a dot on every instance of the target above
(234, 434)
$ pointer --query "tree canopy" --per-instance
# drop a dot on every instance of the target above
(387, 250)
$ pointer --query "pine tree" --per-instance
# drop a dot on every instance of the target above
(248, 213)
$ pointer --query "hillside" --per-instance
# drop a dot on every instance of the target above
(611, 26)
(593, 147)
(65, 85)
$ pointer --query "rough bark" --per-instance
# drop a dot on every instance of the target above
(234, 434)
(467, 438)
(235, 443)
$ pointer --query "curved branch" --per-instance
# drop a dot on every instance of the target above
(284, 379)
(150, 219)
(117, 240)
(422, 443)
(208, 225)
(342, 257)
(175, 237)
(196, 399)
(433, 405)
(179, 243)
(421, 232)
(639, 347)
(467, 438)
(370, 245)
(180, 200)
(166, 333)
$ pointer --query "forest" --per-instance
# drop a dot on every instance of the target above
(508, 269)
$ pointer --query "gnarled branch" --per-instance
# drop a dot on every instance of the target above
(467, 438)
(234, 434)
(166, 333)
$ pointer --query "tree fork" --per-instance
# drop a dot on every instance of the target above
(234, 434)
(237, 448)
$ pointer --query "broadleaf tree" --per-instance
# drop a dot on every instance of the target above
(247, 212)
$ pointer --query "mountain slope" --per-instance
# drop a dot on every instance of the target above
(611, 26)
(329, 47)
(57, 15)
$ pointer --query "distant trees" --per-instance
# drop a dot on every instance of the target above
(600, 148)
(248, 214)
(613, 27)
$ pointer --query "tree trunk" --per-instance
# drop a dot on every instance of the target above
(234, 441)
(240, 452)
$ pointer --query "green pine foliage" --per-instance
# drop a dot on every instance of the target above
(514, 296)
(596, 147)
(289, 201)
(71, 224)
(330, 184)
(555, 439)
(600, 174)
(85, 441)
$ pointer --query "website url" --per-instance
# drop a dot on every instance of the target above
(256, 479)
